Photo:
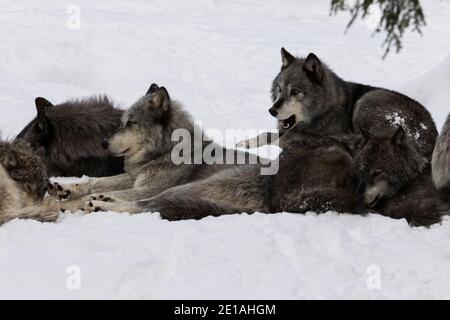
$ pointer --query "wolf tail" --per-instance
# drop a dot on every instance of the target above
(46, 211)
(441, 161)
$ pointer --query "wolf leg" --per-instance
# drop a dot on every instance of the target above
(109, 204)
(322, 200)
(182, 207)
(135, 193)
(72, 191)
(265, 138)
(128, 195)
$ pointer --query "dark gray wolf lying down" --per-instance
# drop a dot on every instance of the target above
(396, 180)
(71, 133)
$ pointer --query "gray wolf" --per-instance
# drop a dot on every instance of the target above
(306, 93)
(23, 182)
(315, 174)
(441, 160)
(144, 139)
(70, 133)
(396, 179)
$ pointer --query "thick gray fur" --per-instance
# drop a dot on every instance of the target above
(441, 160)
(307, 94)
(23, 180)
(144, 139)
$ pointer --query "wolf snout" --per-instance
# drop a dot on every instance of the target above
(371, 200)
(273, 112)
(105, 143)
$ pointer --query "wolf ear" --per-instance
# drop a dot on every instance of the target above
(286, 58)
(399, 136)
(313, 67)
(161, 98)
(42, 106)
(153, 88)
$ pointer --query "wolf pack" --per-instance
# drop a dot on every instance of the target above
(346, 147)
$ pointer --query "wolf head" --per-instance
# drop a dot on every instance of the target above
(304, 90)
(147, 126)
(38, 130)
(386, 164)
(70, 133)
(25, 167)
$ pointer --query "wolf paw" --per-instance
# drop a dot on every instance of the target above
(104, 198)
(100, 202)
(95, 206)
(65, 192)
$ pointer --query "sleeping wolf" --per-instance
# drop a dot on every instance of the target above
(308, 94)
(396, 180)
(23, 182)
(70, 133)
(144, 139)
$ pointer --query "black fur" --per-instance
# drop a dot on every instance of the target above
(71, 134)
(409, 191)
(315, 174)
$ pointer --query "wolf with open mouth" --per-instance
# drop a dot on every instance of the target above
(308, 95)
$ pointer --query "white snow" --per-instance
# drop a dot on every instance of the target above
(219, 58)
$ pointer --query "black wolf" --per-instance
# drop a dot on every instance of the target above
(70, 134)
(396, 179)
(315, 174)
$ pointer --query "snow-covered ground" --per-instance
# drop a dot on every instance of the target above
(219, 58)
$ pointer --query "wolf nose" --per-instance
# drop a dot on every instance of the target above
(273, 112)
(105, 144)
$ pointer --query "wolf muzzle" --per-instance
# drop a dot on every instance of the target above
(277, 104)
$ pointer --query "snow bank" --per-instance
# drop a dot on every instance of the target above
(432, 89)
(280, 256)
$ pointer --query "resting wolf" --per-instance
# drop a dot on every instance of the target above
(145, 141)
(315, 174)
(70, 134)
(309, 95)
(23, 181)
(396, 180)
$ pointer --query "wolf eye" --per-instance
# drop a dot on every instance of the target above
(130, 124)
(295, 92)
(375, 174)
